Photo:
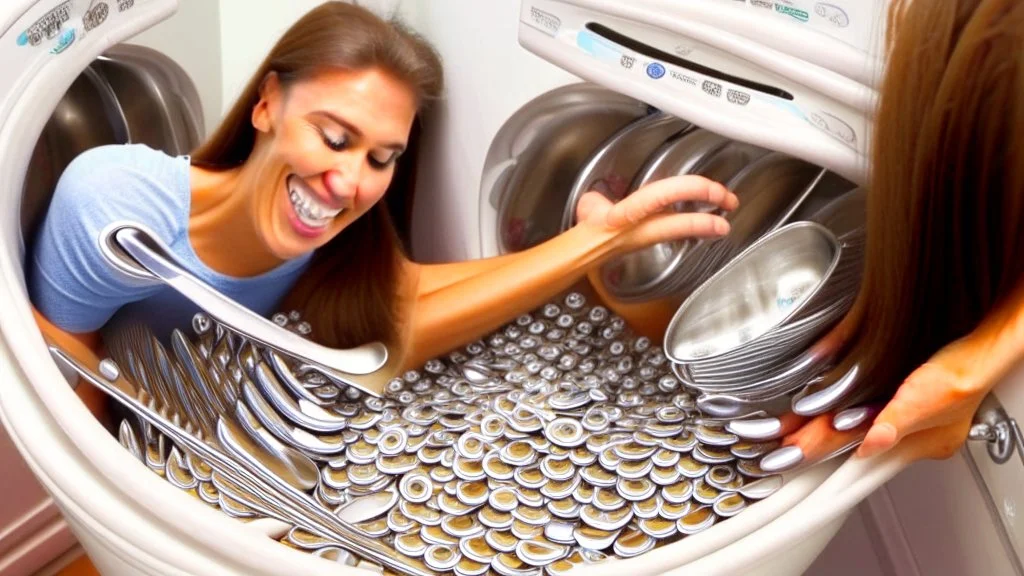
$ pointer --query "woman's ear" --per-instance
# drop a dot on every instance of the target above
(270, 97)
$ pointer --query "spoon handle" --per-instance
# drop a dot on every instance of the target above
(147, 256)
(292, 505)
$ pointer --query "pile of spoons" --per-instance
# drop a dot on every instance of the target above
(557, 440)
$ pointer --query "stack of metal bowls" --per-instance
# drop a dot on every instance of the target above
(741, 338)
(771, 187)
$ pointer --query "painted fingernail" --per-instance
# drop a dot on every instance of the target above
(850, 419)
(761, 429)
(782, 459)
(822, 400)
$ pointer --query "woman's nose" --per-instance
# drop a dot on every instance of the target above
(339, 185)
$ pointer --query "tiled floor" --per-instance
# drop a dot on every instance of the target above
(80, 567)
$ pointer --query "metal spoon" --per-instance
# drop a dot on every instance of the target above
(130, 248)
(262, 490)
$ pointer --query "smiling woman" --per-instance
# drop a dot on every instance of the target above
(281, 207)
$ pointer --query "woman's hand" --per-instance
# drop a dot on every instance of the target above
(646, 216)
(935, 406)
(932, 410)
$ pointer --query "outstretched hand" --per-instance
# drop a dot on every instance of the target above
(935, 406)
(932, 411)
(647, 216)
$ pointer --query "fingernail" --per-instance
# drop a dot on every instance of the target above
(760, 429)
(782, 459)
(824, 399)
(850, 419)
(721, 227)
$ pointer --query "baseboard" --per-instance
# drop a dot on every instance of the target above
(34, 540)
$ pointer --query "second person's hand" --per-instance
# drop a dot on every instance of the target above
(932, 410)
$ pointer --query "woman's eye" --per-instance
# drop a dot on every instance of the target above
(336, 144)
(379, 164)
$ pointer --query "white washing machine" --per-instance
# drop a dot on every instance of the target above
(132, 522)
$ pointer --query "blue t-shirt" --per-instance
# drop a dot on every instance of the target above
(72, 284)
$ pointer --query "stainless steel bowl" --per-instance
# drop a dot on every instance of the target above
(643, 275)
(755, 293)
(770, 190)
(614, 165)
(536, 156)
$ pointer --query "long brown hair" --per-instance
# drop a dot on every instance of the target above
(945, 212)
(348, 291)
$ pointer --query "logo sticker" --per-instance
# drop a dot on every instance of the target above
(737, 97)
(834, 14)
(796, 13)
(712, 88)
(655, 70)
(66, 39)
(545, 20)
(96, 16)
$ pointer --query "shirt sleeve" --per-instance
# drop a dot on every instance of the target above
(69, 280)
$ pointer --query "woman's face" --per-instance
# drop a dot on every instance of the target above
(325, 153)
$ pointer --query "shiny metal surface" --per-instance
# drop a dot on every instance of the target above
(614, 165)
(130, 94)
(754, 294)
(150, 256)
(160, 103)
(642, 275)
(537, 154)
(770, 191)
(558, 438)
(87, 116)
(253, 485)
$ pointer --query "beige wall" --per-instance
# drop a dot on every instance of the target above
(192, 38)
(249, 28)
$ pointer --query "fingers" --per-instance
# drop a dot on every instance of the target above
(675, 226)
(589, 202)
(928, 397)
(656, 196)
(761, 429)
(914, 407)
(816, 441)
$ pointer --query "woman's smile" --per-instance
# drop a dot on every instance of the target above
(310, 215)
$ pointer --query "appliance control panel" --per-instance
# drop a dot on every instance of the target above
(743, 86)
(49, 30)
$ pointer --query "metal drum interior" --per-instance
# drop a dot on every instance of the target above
(130, 95)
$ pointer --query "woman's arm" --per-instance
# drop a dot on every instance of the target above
(477, 297)
(452, 304)
(85, 345)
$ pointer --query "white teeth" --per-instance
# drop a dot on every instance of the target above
(308, 207)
